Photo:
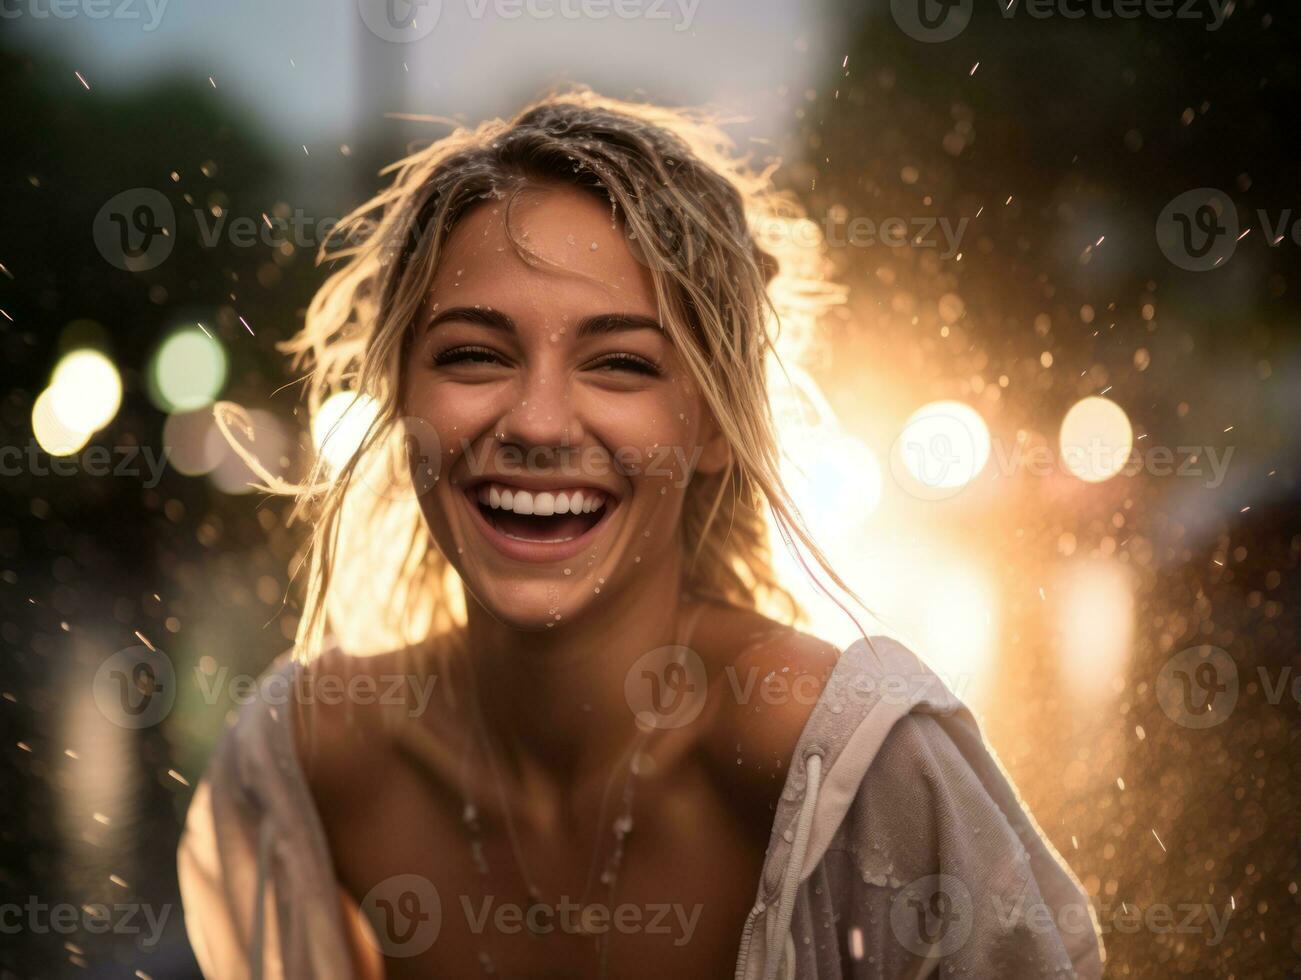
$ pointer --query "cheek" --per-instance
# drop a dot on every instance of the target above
(653, 439)
(459, 414)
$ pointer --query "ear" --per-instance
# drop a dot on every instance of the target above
(715, 451)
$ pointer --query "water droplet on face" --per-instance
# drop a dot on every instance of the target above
(594, 246)
(569, 571)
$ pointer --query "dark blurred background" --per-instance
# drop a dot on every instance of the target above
(1123, 221)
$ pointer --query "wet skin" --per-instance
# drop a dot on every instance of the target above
(563, 358)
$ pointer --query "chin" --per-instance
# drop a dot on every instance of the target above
(531, 607)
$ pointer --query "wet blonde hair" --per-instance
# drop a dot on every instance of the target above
(692, 212)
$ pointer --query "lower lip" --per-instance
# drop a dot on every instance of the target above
(538, 552)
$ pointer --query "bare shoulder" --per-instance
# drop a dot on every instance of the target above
(765, 679)
(347, 707)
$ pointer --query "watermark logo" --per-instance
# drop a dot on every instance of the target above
(837, 228)
(667, 687)
(932, 916)
(1198, 687)
(1198, 230)
(68, 919)
(936, 21)
(309, 687)
(149, 11)
(672, 463)
(932, 21)
(135, 230)
(939, 451)
(404, 21)
(400, 21)
(1073, 918)
(92, 461)
(405, 915)
(136, 687)
(583, 919)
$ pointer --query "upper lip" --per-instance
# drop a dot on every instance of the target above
(534, 482)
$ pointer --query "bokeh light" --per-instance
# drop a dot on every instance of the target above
(85, 391)
(943, 446)
(265, 439)
(1096, 439)
(187, 372)
(340, 425)
(194, 443)
(51, 434)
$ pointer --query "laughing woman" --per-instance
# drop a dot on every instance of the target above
(518, 736)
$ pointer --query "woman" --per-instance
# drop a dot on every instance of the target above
(586, 752)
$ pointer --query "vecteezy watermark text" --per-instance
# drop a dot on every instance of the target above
(66, 919)
(935, 21)
(92, 461)
(838, 229)
(150, 11)
(404, 21)
(406, 913)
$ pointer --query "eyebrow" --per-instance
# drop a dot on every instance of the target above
(590, 326)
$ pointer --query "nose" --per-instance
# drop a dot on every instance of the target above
(543, 418)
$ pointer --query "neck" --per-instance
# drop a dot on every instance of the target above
(554, 700)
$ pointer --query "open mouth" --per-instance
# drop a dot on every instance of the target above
(539, 524)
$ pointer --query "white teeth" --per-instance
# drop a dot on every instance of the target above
(543, 503)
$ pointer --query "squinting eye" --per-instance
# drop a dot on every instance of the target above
(467, 355)
(627, 362)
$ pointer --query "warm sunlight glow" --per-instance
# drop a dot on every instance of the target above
(836, 483)
(340, 425)
(1094, 603)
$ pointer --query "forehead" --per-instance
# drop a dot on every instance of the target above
(580, 263)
